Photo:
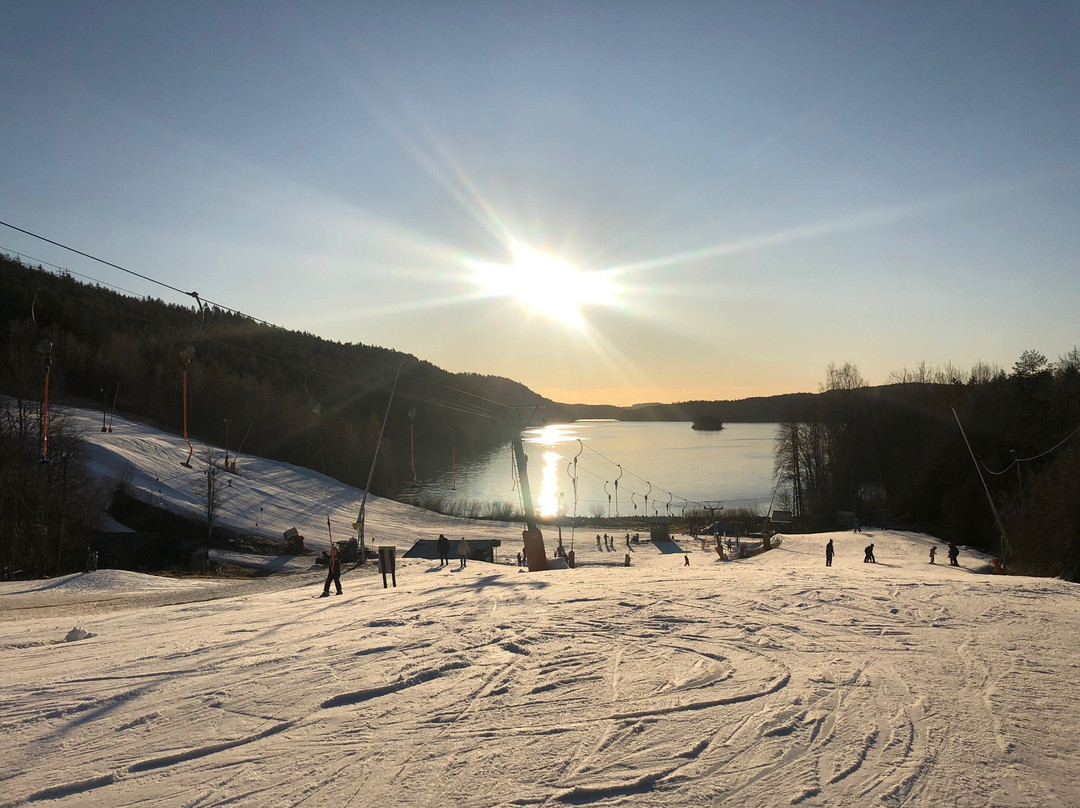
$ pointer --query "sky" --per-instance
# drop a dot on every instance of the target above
(762, 681)
(608, 202)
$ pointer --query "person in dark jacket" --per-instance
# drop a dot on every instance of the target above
(953, 554)
(828, 553)
(444, 550)
(870, 555)
(333, 573)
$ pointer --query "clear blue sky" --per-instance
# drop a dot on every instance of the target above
(747, 191)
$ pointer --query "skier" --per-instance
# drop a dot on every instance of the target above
(858, 528)
(870, 555)
(598, 541)
(953, 553)
(828, 553)
(463, 552)
(444, 550)
(333, 573)
(686, 561)
(933, 552)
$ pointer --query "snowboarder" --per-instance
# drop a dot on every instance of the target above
(858, 527)
(626, 561)
(444, 550)
(953, 553)
(463, 552)
(333, 573)
(870, 555)
(828, 553)
(933, 552)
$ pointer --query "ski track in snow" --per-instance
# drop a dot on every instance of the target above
(763, 682)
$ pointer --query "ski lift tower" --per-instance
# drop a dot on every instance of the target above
(358, 525)
(531, 536)
(712, 506)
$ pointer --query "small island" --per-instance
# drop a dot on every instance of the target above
(708, 423)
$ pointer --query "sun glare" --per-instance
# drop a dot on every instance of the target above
(545, 284)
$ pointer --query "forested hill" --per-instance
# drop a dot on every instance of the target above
(764, 409)
(286, 395)
(894, 454)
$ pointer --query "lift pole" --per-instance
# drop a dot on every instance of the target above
(531, 536)
(371, 473)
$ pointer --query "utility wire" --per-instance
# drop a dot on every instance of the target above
(1017, 460)
(101, 260)
(443, 402)
(209, 302)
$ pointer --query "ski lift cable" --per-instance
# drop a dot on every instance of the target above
(1017, 460)
(671, 494)
(446, 403)
(202, 300)
(95, 258)
(41, 262)
(637, 476)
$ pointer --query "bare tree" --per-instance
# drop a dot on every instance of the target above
(1068, 361)
(845, 377)
(985, 372)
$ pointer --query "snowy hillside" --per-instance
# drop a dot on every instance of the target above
(771, 681)
(264, 496)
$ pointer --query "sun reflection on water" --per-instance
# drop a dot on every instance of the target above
(548, 501)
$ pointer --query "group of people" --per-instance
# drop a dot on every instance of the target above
(869, 558)
(333, 572)
(443, 545)
(609, 541)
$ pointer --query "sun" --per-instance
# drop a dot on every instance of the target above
(545, 284)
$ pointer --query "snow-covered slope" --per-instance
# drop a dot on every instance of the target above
(264, 496)
(771, 681)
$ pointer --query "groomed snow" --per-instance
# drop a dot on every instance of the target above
(770, 681)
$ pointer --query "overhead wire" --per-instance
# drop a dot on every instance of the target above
(476, 407)
(10, 252)
(1017, 460)
(217, 304)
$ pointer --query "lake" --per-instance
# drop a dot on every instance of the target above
(667, 462)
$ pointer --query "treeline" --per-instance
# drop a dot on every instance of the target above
(896, 455)
(757, 410)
